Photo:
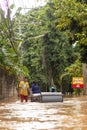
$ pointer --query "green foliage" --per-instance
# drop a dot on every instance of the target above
(32, 58)
(46, 50)
(75, 69)
(51, 39)
(10, 56)
(72, 16)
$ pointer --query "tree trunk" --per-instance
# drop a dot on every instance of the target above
(84, 67)
(48, 69)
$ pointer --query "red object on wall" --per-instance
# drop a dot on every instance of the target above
(77, 85)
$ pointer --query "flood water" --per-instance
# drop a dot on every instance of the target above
(71, 114)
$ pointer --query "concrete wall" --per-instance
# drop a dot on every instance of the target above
(7, 85)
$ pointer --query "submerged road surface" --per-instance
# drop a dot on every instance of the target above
(71, 114)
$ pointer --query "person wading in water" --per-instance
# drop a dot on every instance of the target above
(24, 89)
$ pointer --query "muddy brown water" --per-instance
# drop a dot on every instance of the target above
(71, 114)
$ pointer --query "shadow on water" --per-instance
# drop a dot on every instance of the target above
(68, 115)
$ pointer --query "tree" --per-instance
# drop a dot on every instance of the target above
(46, 49)
(9, 45)
(71, 17)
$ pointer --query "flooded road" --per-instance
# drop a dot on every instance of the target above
(71, 114)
